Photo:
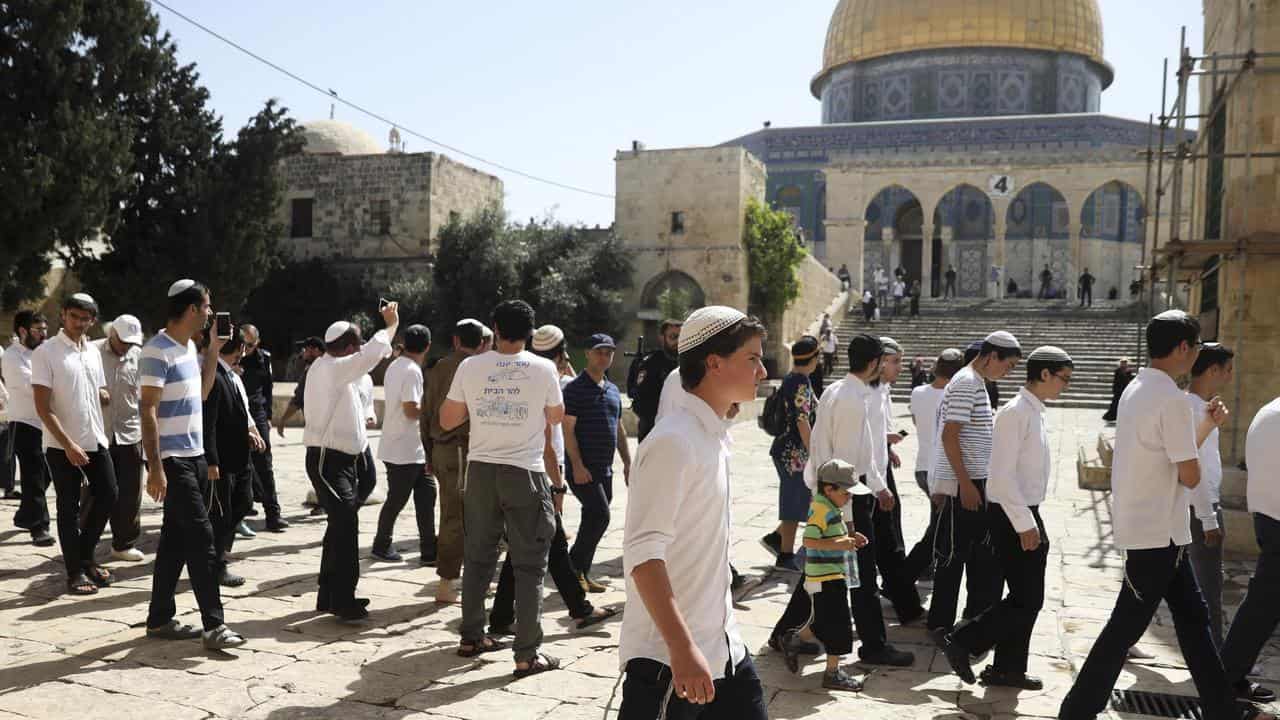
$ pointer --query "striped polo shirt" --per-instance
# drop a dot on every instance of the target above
(826, 522)
(175, 368)
(597, 410)
(965, 402)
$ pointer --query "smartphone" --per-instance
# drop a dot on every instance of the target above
(382, 304)
(222, 325)
(903, 433)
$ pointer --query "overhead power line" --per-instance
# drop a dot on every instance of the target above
(329, 93)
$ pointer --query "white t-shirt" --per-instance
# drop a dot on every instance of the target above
(557, 431)
(1209, 492)
(507, 397)
(1262, 453)
(829, 342)
(1154, 432)
(925, 401)
(74, 375)
(401, 443)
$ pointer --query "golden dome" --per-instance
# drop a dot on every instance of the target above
(866, 29)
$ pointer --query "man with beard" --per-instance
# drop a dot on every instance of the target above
(653, 373)
(25, 429)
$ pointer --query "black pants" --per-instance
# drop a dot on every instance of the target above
(951, 288)
(126, 514)
(337, 482)
(1007, 625)
(828, 362)
(739, 695)
(99, 475)
(264, 475)
(563, 574)
(1151, 576)
(830, 620)
(1086, 295)
(403, 481)
(1260, 612)
(28, 452)
(7, 476)
(230, 498)
(366, 475)
(891, 557)
(186, 539)
(595, 497)
(963, 551)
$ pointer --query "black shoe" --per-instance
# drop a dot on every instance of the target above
(42, 538)
(317, 511)
(959, 660)
(773, 543)
(911, 617)
(501, 630)
(351, 614)
(253, 512)
(939, 636)
(322, 603)
(798, 646)
(427, 560)
(277, 525)
(387, 554)
(888, 656)
(1246, 690)
(12, 495)
(788, 562)
(1022, 681)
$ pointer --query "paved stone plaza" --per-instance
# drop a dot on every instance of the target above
(65, 657)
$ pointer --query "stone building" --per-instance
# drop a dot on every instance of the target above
(959, 133)
(373, 210)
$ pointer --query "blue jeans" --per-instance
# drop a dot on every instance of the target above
(739, 695)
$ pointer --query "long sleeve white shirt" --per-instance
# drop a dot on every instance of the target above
(1206, 496)
(17, 376)
(334, 408)
(1020, 463)
(842, 431)
(879, 414)
(1262, 453)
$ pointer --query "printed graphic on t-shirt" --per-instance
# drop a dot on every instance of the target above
(501, 402)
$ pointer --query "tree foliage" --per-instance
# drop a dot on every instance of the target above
(301, 299)
(774, 253)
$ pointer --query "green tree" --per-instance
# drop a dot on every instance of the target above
(774, 253)
(573, 277)
(675, 303)
(301, 299)
(474, 269)
(67, 143)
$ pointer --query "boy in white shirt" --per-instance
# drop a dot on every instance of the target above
(403, 454)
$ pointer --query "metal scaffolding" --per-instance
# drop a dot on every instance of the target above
(1170, 170)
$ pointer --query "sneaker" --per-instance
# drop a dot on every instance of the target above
(838, 679)
(773, 543)
(243, 530)
(889, 656)
(1252, 691)
(127, 555)
(387, 554)
(42, 538)
(788, 562)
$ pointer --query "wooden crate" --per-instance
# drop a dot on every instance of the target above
(1092, 475)
(1105, 450)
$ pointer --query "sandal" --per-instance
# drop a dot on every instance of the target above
(222, 638)
(174, 630)
(594, 619)
(99, 575)
(81, 585)
(540, 663)
(486, 645)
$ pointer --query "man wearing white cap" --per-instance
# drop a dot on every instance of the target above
(120, 350)
(68, 386)
(335, 439)
(1019, 479)
(959, 480)
(680, 645)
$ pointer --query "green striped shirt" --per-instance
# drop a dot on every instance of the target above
(825, 523)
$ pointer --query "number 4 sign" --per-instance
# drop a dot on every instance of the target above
(1000, 185)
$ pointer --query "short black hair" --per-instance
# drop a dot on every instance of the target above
(232, 346)
(313, 343)
(191, 297)
(1001, 353)
(693, 363)
(417, 338)
(344, 341)
(864, 349)
(1212, 355)
(822, 487)
(1036, 367)
(469, 334)
(26, 318)
(971, 353)
(513, 320)
(1167, 331)
(668, 324)
(806, 347)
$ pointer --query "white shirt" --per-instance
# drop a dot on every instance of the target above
(1154, 432)
(17, 375)
(334, 408)
(364, 390)
(925, 401)
(122, 416)
(1020, 463)
(557, 431)
(899, 289)
(879, 412)
(842, 431)
(678, 511)
(1262, 453)
(829, 342)
(672, 395)
(401, 442)
(507, 397)
(1209, 492)
(73, 374)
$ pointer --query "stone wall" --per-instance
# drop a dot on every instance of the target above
(819, 292)
(461, 190)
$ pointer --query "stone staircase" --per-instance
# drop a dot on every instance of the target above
(1095, 338)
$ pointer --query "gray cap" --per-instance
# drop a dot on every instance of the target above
(842, 475)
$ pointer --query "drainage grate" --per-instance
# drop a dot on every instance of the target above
(1156, 704)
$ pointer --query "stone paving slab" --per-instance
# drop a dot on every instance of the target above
(70, 657)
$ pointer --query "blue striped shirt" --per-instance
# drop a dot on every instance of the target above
(597, 410)
(175, 368)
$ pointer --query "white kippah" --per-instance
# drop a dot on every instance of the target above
(704, 323)
(336, 330)
(547, 337)
(891, 346)
(84, 298)
(1002, 339)
(181, 286)
(1172, 315)
(1049, 353)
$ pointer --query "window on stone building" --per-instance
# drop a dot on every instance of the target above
(301, 212)
(381, 212)
(1216, 172)
(677, 223)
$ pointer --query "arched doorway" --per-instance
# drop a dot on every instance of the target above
(963, 226)
(1112, 234)
(893, 235)
(1038, 234)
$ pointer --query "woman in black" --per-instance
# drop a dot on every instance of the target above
(1123, 376)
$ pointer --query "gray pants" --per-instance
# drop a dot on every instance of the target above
(1206, 562)
(497, 500)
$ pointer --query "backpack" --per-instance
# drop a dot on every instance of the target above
(773, 419)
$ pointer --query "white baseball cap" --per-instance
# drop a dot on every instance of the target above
(128, 329)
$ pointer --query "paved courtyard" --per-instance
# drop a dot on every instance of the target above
(68, 657)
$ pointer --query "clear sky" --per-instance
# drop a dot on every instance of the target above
(555, 88)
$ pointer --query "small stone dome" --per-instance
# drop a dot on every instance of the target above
(334, 137)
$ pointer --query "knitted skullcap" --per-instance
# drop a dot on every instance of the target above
(180, 287)
(336, 330)
(547, 337)
(1049, 353)
(891, 346)
(1002, 339)
(704, 323)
